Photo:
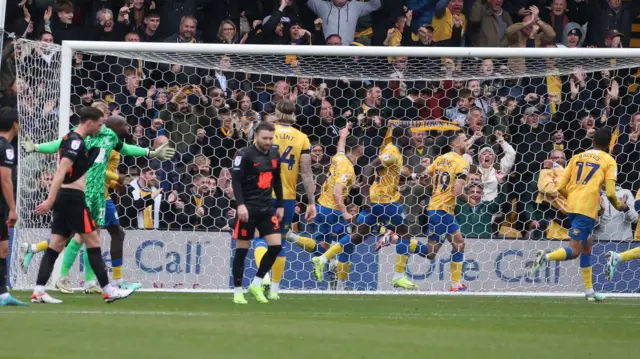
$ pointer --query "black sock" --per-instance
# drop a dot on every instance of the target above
(46, 266)
(117, 241)
(3, 275)
(97, 264)
(268, 260)
(238, 266)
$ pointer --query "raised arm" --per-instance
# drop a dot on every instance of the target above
(47, 147)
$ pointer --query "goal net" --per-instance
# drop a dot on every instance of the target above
(526, 112)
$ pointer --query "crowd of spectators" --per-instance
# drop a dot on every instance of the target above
(522, 129)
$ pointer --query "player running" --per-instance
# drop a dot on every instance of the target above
(255, 176)
(581, 182)
(333, 220)
(106, 141)
(294, 149)
(9, 128)
(70, 212)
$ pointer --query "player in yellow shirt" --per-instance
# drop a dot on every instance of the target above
(385, 206)
(295, 157)
(582, 181)
(613, 258)
(333, 220)
(449, 176)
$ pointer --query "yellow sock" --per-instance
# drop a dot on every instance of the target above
(587, 278)
(343, 270)
(277, 270)
(42, 246)
(333, 251)
(117, 272)
(401, 263)
(258, 253)
(456, 272)
(630, 254)
(558, 255)
(308, 244)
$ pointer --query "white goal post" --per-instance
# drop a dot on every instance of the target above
(191, 260)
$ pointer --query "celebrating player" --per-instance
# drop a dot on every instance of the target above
(449, 176)
(8, 131)
(294, 149)
(333, 220)
(106, 141)
(386, 208)
(70, 212)
(255, 176)
(582, 182)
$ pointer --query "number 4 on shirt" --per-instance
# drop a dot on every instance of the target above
(288, 157)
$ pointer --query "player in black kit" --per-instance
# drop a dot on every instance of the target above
(70, 213)
(8, 131)
(255, 176)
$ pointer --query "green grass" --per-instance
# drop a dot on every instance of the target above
(172, 325)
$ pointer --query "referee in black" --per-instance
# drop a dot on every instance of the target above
(255, 176)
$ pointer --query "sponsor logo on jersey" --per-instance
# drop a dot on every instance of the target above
(10, 154)
(75, 144)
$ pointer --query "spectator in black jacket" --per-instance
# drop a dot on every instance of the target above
(62, 26)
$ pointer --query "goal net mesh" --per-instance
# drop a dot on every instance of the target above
(526, 117)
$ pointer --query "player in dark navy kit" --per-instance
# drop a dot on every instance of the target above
(255, 176)
(8, 131)
(70, 212)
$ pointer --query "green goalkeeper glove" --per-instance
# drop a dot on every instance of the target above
(29, 146)
(164, 152)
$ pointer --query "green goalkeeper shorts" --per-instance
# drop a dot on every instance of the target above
(97, 203)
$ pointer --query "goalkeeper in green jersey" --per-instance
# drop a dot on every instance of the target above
(106, 140)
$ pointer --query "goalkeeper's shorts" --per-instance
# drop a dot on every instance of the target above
(97, 203)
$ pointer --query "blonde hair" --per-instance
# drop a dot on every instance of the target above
(102, 106)
(285, 111)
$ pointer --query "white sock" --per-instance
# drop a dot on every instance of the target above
(293, 236)
(398, 275)
(39, 289)
(257, 281)
(34, 249)
(546, 256)
(341, 285)
(117, 282)
(90, 284)
(266, 278)
(590, 291)
(4, 295)
(237, 290)
(275, 286)
(107, 289)
(324, 259)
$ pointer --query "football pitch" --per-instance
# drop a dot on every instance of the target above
(176, 325)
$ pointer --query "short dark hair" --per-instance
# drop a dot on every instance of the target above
(602, 139)
(352, 143)
(89, 114)
(465, 93)
(400, 131)
(151, 14)
(146, 169)
(265, 126)
(8, 116)
(454, 136)
(44, 33)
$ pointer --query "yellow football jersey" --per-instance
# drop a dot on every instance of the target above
(385, 188)
(292, 144)
(112, 172)
(341, 171)
(584, 177)
(445, 170)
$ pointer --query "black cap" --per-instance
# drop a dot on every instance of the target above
(576, 31)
